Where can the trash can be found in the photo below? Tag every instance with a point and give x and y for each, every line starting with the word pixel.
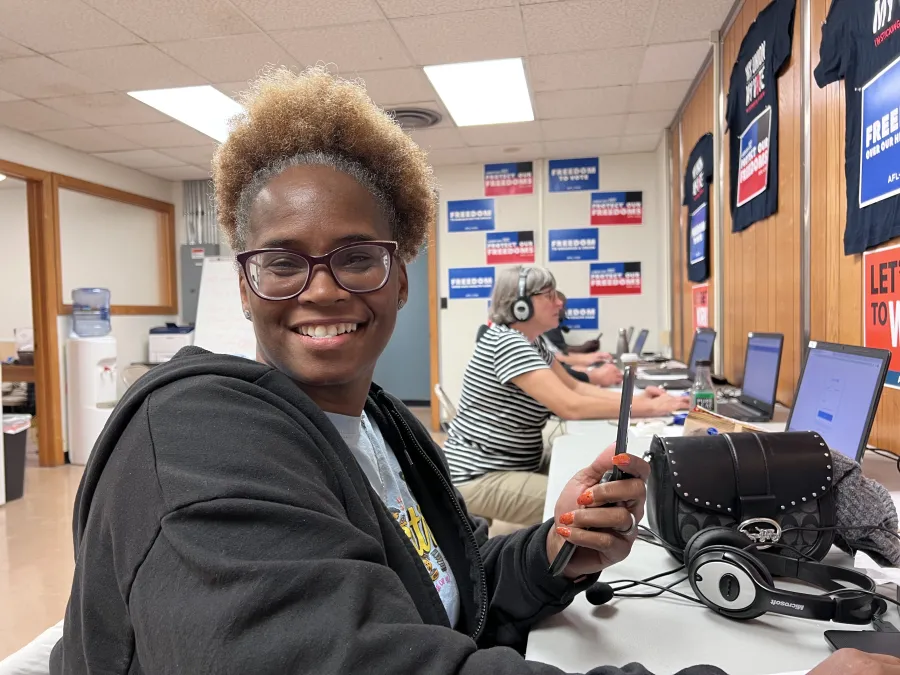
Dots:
pixel 15 435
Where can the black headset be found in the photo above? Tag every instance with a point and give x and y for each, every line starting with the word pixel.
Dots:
pixel 522 309
pixel 739 584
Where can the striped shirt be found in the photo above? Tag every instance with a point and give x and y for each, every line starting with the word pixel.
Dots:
pixel 498 427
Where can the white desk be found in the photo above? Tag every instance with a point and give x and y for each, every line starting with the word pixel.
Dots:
pixel 667 633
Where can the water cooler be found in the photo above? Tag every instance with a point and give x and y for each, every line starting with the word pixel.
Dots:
pixel 90 391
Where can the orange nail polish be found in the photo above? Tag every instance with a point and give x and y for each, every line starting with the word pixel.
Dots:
pixel 567 518
pixel 621 460
pixel 563 532
pixel 586 498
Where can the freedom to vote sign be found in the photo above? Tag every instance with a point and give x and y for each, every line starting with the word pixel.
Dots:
pixel 571 245
pixel 879 173
pixel 574 174
pixel 881 305
pixel 582 314
pixel 617 208
pixel 471 282
pixel 470 215
pixel 622 278
pixel 508 179
pixel 753 169
pixel 510 247
pixel 698 234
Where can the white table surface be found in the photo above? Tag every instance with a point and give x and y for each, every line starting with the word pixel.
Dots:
pixel 667 633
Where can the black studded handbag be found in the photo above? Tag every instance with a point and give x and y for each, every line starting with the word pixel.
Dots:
pixel 765 485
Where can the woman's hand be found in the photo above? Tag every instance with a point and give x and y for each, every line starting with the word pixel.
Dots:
pixel 605 376
pixel 655 402
pixel 852 662
pixel 578 508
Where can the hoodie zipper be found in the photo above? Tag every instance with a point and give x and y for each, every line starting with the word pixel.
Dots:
pixel 482 583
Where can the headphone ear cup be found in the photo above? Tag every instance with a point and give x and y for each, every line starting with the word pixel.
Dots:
pixel 714 536
pixel 521 309
pixel 709 569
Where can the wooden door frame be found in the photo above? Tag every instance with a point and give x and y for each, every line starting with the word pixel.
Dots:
pixel 43 246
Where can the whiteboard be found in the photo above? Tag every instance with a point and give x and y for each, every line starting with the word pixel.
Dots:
pixel 221 326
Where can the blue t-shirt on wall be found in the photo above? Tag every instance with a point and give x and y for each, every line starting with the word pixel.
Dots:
pixel 697 178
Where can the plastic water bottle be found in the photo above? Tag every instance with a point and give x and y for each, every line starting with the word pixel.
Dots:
pixel 90 312
pixel 703 395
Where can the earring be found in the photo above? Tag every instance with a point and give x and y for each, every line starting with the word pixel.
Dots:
pixel 247 314
pixel 400 304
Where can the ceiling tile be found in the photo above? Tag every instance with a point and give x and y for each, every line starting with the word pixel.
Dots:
pixel 139 159
pixel 402 8
pixel 286 14
pixel 585 24
pixel 360 47
pixel 91 139
pixel 233 89
pixel 196 154
pixel 180 173
pixel 6 96
pixel 104 110
pixel 164 20
pixel 131 68
pixel 688 19
pixel 583 70
pixel 10 49
pixel 402 85
pixel 40 77
pixel 60 25
pixel 659 96
pixel 584 148
pixel 223 59
pixel 672 62
pixel 502 134
pixel 583 127
pixel 447 156
pixel 639 124
pixel 646 143
pixel 31 116
pixel 165 135
pixel 433 139
pixel 506 153
pixel 463 36
pixel 582 102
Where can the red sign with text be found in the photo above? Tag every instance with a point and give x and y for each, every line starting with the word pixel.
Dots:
pixel 701 306
pixel 881 306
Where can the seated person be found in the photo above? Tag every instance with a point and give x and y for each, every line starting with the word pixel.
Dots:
pixel 557 336
pixel 510 388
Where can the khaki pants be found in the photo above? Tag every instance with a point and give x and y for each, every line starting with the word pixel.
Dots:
pixel 510 496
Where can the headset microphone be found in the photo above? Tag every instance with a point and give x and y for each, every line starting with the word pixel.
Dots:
pixel 599 594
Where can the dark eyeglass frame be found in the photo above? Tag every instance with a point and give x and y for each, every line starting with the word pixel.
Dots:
pixel 315 260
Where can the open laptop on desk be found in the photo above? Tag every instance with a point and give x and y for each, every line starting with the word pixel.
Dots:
pixel 838 394
pixel 761 366
pixel 682 378
pixel 640 342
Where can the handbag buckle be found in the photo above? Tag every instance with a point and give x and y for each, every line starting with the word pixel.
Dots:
pixel 761 531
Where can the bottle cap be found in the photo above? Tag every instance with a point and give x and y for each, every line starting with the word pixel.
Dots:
pixel 703 362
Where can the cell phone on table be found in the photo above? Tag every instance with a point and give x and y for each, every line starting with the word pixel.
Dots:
pixel 868 641
pixel 561 561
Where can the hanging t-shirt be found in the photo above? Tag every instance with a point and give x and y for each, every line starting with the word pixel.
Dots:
pixel 861 45
pixel 697 178
pixel 752 115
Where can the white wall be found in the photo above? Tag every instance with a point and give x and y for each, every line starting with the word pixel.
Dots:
pixel 15 269
pixel 542 212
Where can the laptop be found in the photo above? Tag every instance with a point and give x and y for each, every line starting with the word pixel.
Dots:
pixel 683 378
pixel 640 342
pixel 838 394
pixel 761 367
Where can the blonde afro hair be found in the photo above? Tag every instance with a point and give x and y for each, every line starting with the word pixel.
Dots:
pixel 320 119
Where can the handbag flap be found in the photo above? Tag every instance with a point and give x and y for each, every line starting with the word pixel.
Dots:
pixel 749 475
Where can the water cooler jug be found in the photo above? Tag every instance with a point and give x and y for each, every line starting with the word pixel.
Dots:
pixel 90 391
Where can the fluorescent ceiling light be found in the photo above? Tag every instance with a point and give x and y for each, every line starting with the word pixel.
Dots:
pixel 483 92
pixel 2 176
pixel 203 108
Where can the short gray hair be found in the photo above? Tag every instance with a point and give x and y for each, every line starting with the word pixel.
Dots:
pixel 506 290
pixel 345 165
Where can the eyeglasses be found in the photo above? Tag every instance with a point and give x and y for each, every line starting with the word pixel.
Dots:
pixel 551 293
pixel 282 274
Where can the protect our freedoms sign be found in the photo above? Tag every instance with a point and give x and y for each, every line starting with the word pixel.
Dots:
pixel 622 278
pixel 582 314
pixel 568 175
pixel 879 173
pixel 617 208
pixel 509 247
pixel 753 170
pixel 508 179
pixel 700 294
pixel 572 245
pixel 470 215
pixel 471 282
pixel 881 306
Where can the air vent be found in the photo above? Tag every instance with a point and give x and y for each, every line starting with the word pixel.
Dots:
pixel 415 118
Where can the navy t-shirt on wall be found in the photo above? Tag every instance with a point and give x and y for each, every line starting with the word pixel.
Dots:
pixel 861 45
pixel 752 114
pixel 697 178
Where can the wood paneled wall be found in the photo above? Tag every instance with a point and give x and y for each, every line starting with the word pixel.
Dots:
pixel 696 120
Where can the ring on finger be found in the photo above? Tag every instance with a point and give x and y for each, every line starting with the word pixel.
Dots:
pixel 631 530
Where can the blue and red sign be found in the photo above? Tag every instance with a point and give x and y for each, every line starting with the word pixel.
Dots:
pixel 753 170
pixel 568 175
pixel 879 172
pixel 471 282
pixel 582 314
pixel 617 208
pixel 698 234
pixel 470 215
pixel 622 278
pixel 516 178
pixel 881 306
pixel 572 245
pixel 510 247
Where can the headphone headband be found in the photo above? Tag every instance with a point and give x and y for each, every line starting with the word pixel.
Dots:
pixel 522 309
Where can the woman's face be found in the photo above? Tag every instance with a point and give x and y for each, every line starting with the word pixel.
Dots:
pixel 547 306
pixel 314 210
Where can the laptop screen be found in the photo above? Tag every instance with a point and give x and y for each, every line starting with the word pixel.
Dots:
pixel 761 369
pixel 703 348
pixel 836 391
pixel 640 342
